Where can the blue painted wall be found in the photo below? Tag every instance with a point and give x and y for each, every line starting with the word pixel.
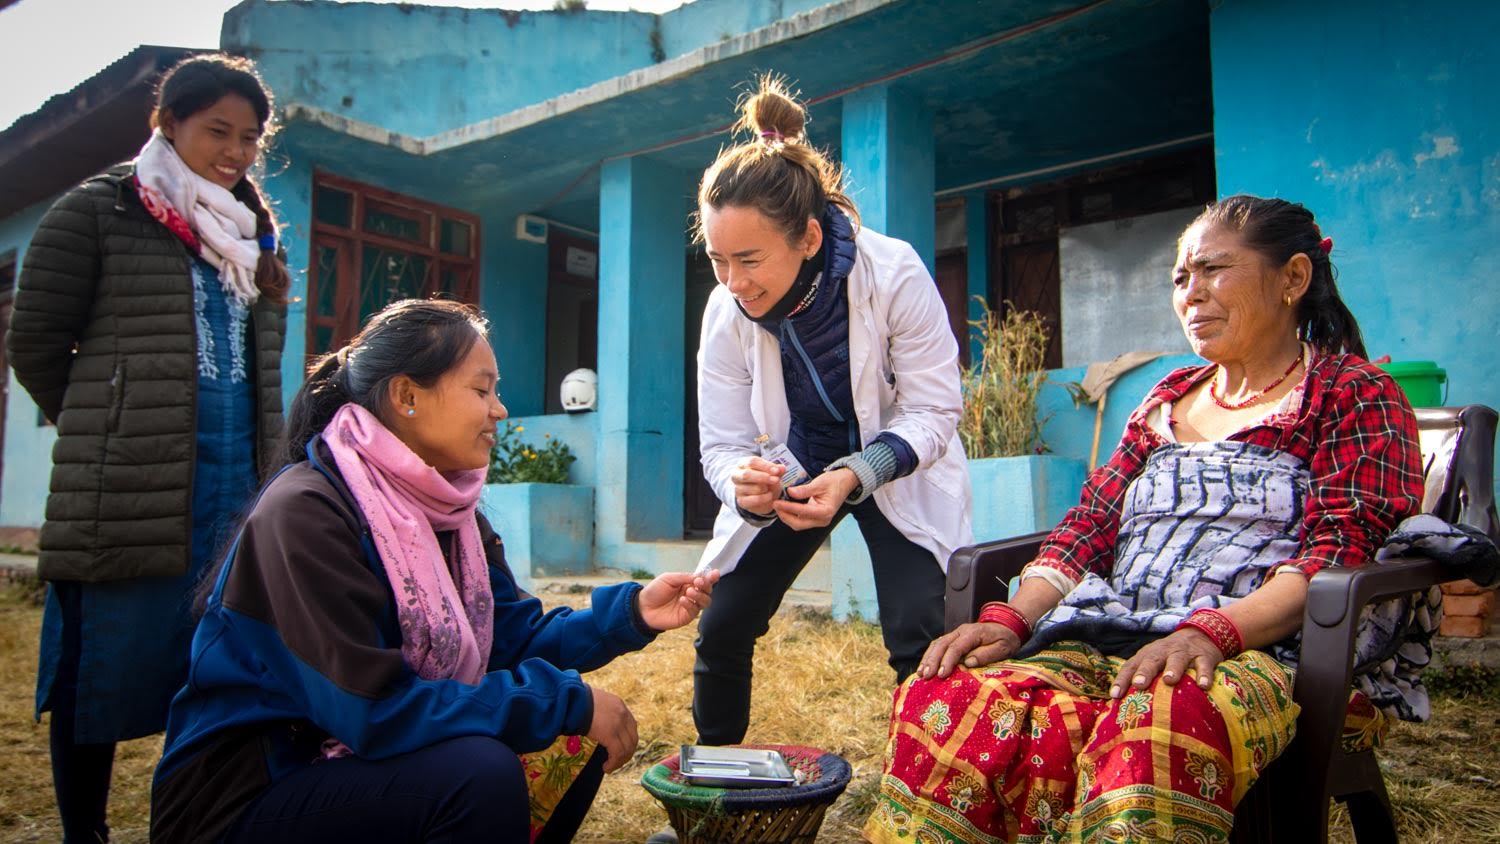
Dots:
pixel 28 446
pixel 1384 124
pixel 702 22
pixel 513 293
pixel 421 70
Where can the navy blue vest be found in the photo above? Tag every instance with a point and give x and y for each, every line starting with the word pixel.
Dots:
pixel 815 358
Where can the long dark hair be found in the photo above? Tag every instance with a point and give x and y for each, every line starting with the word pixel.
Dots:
pixel 778 172
pixel 196 83
pixel 1277 230
pixel 420 338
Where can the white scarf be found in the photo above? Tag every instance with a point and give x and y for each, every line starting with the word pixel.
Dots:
pixel 225 226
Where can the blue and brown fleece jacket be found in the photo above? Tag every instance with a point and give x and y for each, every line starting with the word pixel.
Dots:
pixel 299 643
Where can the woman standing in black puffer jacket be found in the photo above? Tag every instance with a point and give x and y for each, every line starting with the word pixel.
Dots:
pixel 149 323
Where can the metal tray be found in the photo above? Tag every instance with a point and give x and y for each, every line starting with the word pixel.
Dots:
pixel 735 767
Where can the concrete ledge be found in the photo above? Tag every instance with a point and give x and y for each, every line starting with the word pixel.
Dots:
pixel 1452 651
pixel 13 566
pixel 21 538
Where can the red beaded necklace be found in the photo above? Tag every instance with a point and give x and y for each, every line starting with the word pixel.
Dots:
pixel 1254 397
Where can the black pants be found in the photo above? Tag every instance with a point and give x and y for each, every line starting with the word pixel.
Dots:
pixel 908 585
pixel 460 790
pixel 80 772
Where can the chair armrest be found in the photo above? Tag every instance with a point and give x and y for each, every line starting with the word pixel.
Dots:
pixel 979 574
pixel 1337 593
pixel 1335 599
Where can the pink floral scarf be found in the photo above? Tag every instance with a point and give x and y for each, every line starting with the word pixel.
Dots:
pixel 406 502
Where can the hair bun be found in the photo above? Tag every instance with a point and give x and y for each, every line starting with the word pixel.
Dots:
pixel 772 112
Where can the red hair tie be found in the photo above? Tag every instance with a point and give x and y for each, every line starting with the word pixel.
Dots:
pixel 1326 245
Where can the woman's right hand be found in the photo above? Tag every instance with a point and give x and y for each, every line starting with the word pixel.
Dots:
pixel 975 644
pixel 757 484
pixel 614 729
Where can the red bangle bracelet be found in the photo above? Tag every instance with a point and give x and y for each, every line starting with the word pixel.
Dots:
pixel 1008 617
pixel 1219 630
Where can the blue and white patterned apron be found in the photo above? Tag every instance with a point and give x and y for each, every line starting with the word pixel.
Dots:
pixel 1202 526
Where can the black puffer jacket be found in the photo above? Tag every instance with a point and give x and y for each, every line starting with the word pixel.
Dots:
pixel 104 338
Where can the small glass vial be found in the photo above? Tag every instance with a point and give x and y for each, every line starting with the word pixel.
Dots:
pixel 783 457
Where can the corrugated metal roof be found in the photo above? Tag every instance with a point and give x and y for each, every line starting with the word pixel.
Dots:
pixel 77 133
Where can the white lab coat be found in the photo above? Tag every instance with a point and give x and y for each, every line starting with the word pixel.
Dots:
pixel 904 373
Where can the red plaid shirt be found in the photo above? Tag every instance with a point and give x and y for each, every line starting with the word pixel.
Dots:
pixel 1353 428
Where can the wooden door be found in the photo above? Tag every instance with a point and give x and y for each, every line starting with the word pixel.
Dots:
pixel 1033 282
pixel 952 279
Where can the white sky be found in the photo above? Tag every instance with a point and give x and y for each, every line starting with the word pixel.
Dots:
pixel 48 46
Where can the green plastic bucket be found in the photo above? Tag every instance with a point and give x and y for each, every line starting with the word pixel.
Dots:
pixel 1419 379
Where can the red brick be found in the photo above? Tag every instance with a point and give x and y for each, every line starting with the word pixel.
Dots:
pixel 1463 587
pixel 1462 605
pixel 1463 627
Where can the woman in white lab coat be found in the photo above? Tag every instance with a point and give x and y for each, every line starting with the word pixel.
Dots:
pixel 828 342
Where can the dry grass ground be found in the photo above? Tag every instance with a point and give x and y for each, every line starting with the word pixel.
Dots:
pixel 819 683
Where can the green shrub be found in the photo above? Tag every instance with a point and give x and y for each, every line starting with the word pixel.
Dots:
pixel 514 461
pixel 1461 681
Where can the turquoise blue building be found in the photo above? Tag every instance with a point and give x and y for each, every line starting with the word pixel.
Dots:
pixel 1044 153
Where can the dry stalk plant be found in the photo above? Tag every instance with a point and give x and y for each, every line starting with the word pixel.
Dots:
pixel 1001 389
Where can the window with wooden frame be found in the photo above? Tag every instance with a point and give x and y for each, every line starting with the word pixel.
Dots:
pixel 372 247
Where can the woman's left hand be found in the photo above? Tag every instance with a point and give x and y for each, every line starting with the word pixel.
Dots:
pixel 1170 657
pixel 818 500
pixel 675 598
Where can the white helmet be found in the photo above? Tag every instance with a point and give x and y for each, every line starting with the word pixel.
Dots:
pixel 580 390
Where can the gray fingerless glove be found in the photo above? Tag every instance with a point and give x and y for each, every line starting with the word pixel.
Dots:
pixel 875 466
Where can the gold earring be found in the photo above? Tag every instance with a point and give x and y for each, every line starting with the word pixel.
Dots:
pixel 1286 299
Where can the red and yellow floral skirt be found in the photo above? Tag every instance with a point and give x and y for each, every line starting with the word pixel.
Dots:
pixel 1034 750
pixel 551 772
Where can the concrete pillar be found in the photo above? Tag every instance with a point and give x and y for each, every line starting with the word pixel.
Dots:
pixel 642 239
pixel 977 242
pixel 888 153
pixel 513 293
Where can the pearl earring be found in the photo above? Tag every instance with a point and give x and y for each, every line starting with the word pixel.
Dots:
pixel 411 411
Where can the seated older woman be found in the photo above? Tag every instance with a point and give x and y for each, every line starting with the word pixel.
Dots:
pixel 1140 677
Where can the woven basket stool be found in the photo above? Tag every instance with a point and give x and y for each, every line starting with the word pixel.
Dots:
pixel 791 815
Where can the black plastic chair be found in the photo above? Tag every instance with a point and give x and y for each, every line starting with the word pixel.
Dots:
pixel 1290 801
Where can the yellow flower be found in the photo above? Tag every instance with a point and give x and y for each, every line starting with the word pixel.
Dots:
pixel 531 455
pixel 520 429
